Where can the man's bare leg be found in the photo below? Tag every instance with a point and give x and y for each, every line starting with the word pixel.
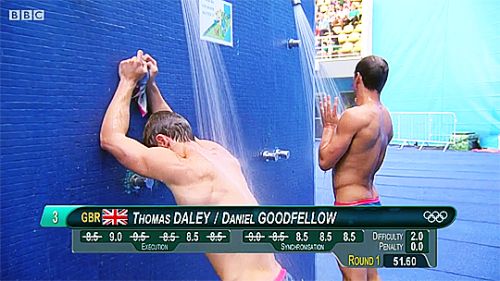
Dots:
pixel 359 274
pixel 373 274
pixel 353 274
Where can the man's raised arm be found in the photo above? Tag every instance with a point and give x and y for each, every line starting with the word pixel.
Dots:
pixel 337 133
pixel 148 162
pixel 155 99
pixel 117 118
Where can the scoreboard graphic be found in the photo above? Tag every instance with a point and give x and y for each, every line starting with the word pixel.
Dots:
pixel 387 236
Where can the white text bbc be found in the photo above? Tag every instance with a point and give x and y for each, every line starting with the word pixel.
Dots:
pixel 26 14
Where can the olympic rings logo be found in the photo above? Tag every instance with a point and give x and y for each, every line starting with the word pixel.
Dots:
pixel 435 216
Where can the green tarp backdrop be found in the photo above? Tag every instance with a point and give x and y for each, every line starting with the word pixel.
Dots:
pixel 444 56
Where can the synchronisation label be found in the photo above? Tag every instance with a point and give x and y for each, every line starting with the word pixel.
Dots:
pixel 303 241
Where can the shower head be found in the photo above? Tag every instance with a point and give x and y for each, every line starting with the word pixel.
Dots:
pixel 295 2
pixel 293 43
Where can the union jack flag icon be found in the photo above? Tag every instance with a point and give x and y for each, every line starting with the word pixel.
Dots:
pixel 114 216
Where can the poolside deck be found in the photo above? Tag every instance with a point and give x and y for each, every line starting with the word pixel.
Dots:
pixel 470 181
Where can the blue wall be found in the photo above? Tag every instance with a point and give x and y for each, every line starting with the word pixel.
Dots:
pixel 59 75
pixel 443 56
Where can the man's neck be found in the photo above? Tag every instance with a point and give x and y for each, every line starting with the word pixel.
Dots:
pixel 366 96
pixel 179 148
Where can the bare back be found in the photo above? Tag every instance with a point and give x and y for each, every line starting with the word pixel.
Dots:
pixel 214 177
pixel 355 171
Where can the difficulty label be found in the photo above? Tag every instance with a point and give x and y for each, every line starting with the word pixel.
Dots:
pixel 389 241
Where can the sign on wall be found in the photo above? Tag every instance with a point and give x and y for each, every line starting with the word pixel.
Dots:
pixel 216 21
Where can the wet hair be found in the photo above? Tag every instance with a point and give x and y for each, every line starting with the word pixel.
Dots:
pixel 374 71
pixel 169 124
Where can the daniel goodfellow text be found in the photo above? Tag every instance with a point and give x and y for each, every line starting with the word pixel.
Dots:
pixel 230 218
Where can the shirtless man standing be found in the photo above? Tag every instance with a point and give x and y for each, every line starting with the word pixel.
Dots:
pixel 198 172
pixel 355 144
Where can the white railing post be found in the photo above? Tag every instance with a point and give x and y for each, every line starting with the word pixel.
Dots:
pixel 399 126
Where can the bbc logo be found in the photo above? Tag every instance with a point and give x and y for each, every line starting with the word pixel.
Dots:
pixel 26 14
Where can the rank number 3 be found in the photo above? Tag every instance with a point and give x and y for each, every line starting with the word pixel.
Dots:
pixel 56 218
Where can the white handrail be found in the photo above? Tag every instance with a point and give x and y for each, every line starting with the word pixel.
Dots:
pixel 423 128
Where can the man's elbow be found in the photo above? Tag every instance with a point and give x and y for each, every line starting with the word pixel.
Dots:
pixel 106 141
pixel 324 165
